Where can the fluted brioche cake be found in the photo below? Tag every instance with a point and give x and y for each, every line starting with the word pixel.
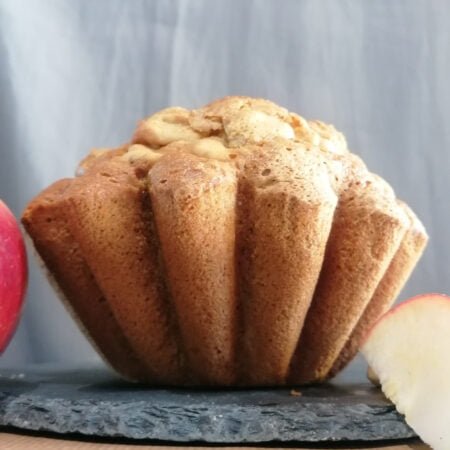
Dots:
pixel 235 244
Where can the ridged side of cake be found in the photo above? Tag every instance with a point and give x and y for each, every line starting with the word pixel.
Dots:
pixel 395 277
pixel 194 202
pixel 236 244
pixel 45 220
pixel 110 218
pixel 285 212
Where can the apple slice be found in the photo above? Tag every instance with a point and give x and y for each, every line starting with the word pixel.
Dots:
pixel 13 274
pixel 409 351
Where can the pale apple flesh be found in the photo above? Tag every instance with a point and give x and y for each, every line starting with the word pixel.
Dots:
pixel 409 351
pixel 13 274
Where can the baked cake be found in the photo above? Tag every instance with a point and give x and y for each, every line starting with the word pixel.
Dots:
pixel 235 244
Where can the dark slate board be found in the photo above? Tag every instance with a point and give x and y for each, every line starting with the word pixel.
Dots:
pixel 95 403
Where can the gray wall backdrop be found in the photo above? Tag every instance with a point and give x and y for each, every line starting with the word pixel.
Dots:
pixel 79 74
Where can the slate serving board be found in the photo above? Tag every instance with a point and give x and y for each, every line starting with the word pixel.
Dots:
pixel 94 402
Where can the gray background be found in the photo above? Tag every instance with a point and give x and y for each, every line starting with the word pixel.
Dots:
pixel 79 74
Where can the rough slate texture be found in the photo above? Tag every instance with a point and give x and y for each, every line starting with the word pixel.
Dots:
pixel 94 402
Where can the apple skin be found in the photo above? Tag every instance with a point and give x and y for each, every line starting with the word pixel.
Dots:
pixel 408 351
pixel 398 307
pixel 13 274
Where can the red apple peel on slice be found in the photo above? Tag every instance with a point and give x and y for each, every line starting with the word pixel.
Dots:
pixel 13 274
pixel 409 351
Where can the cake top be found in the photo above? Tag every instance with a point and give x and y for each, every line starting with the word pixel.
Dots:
pixel 231 124
pixel 238 129
pixel 222 130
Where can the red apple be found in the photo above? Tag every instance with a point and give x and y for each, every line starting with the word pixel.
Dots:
pixel 13 274
pixel 408 349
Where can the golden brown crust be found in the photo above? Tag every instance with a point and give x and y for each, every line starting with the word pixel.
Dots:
pixel 164 127
pixel 367 229
pixel 194 204
pixel 286 207
pixel 109 215
pixel 236 122
pixel 45 221
pixel 97 157
pixel 217 247
pixel 319 134
pixel 396 275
